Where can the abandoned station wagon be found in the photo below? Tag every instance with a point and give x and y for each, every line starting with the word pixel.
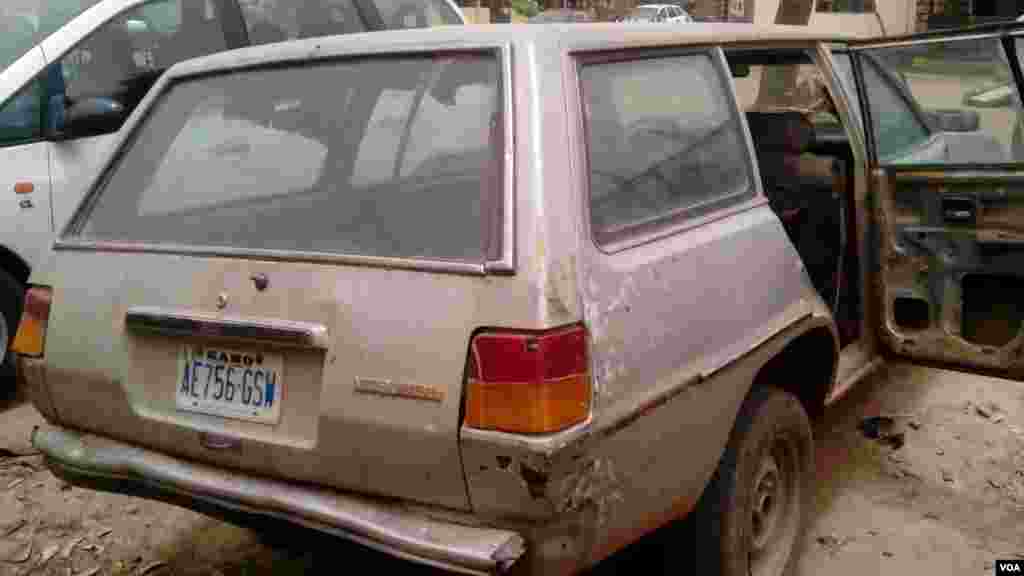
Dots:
pixel 510 298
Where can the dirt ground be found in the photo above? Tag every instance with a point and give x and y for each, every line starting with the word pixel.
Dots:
pixel 950 500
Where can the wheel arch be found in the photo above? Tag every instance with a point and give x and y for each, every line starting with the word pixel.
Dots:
pixel 12 263
pixel 814 355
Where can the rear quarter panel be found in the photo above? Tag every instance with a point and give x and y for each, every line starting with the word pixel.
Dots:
pixel 678 327
pixel 674 321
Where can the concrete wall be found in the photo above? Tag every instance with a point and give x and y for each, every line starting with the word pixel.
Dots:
pixel 865 25
pixel 897 17
pixel 476 15
pixel 482 15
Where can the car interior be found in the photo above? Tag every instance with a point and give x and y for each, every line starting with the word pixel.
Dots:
pixel 804 159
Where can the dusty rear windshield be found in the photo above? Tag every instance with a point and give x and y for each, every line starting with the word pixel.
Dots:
pixel 383 156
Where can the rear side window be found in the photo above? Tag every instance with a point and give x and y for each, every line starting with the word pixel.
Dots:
pixel 386 156
pixel 660 154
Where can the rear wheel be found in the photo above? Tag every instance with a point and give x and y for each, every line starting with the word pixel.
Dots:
pixel 12 298
pixel 753 517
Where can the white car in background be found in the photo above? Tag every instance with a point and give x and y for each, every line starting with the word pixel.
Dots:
pixel 658 13
pixel 66 65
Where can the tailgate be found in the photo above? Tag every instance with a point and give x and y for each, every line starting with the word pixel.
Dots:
pixel 339 376
pixel 282 268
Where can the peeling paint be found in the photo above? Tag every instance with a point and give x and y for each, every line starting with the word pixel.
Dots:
pixel 593 483
pixel 596 321
pixel 560 290
pixel 592 287
pixel 536 480
pixel 624 297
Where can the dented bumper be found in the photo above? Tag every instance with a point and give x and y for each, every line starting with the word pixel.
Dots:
pixel 97 462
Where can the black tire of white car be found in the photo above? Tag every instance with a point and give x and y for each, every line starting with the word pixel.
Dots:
pixel 12 298
pixel 753 517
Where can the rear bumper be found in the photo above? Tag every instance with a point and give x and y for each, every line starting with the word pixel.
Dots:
pixel 100 463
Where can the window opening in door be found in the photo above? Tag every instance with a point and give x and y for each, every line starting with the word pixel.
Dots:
pixel 951 102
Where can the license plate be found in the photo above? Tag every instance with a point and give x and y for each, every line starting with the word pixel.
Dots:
pixel 230 383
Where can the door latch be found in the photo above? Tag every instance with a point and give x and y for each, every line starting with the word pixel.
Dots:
pixel 959 210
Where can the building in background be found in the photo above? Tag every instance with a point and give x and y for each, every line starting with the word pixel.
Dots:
pixel 932 14
pixel 870 17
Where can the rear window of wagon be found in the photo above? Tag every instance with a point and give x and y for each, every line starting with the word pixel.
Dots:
pixel 390 156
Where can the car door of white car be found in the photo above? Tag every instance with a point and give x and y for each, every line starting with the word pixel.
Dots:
pixel 24 161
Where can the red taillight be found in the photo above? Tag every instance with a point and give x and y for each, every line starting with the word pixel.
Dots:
pixel 529 383
pixel 31 337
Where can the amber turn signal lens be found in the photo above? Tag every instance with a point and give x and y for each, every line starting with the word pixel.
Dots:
pixel 528 407
pixel 528 383
pixel 31 336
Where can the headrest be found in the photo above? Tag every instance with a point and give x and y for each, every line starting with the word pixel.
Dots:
pixel 782 132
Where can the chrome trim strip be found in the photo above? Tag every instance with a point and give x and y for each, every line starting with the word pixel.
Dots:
pixel 857 45
pixel 507 263
pixel 680 223
pixel 547 444
pixel 940 175
pixel 467 268
pixel 390 528
pixel 193 323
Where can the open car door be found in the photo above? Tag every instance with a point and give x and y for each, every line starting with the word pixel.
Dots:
pixel 942 117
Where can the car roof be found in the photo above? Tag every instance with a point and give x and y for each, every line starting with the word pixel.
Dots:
pixel 557 36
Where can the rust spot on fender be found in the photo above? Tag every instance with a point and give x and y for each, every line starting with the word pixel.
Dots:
pixel 620 539
pixel 536 480
pixel 560 290
pixel 593 483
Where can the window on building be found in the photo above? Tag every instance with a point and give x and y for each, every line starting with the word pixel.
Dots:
pixel 855 6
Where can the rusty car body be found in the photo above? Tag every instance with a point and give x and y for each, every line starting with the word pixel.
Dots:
pixel 423 410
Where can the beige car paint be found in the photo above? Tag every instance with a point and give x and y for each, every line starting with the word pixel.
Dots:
pixel 672 358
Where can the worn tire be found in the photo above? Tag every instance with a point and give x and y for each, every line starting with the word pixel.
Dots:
pixel 771 440
pixel 12 298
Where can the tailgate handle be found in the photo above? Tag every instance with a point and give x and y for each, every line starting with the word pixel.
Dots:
pixel 958 209
pixel 192 323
